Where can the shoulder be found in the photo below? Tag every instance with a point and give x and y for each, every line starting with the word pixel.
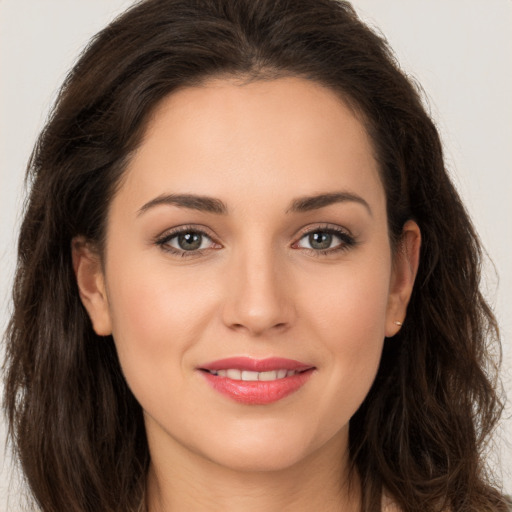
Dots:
pixel 388 504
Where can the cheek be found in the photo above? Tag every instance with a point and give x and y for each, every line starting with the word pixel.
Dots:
pixel 350 304
pixel 149 299
pixel 349 316
pixel 156 318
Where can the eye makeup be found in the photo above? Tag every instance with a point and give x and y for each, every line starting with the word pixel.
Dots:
pixel 193 241
pixel 325 240
pixel 186 241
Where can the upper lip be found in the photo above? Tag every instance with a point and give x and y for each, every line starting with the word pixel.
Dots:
pixel 257 365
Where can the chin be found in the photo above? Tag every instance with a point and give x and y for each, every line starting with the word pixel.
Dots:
pixel 246 461
pixel 272 452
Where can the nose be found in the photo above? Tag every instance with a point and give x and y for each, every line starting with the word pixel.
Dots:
pixel 258 295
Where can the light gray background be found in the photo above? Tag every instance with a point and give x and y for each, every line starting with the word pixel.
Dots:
pixel 459 50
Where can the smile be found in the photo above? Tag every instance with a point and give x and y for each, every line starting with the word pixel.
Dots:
pixel 256 382
pixel 249 376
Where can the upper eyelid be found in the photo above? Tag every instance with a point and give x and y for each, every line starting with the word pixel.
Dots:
pixel 185 228
pixel 335 228
pixel 204 230
pixel 346 238
pixel 163 240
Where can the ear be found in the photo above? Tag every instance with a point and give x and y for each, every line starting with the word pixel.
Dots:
pixel 405 268
pixel 91 284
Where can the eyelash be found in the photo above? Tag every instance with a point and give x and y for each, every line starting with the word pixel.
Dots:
pixel 347 241
pixel 164 240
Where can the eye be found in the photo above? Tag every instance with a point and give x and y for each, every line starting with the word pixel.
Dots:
pixel 190 241
pixel 325 240
pixel 186 242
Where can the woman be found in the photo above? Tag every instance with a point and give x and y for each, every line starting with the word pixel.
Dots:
pixel 245 281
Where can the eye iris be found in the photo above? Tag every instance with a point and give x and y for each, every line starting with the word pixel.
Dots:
pixel 190 241
pixel 320 240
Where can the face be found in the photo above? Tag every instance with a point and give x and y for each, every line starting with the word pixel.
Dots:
pixel 249 238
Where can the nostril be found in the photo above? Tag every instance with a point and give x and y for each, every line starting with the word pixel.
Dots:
pixel 278 326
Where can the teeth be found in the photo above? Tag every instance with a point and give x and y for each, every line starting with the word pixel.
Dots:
pixel 268 375
pixel 234 374
pixel 246 375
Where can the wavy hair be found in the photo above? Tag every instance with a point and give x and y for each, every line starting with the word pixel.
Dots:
pixel 76 428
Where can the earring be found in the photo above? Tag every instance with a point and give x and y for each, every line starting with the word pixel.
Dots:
pixel 396 322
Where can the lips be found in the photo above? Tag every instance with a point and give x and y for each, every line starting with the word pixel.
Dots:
pixel 256 381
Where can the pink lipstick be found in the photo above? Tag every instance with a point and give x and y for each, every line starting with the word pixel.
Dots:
pixel 256 381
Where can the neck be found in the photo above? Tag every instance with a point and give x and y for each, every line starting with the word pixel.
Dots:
pixel 187 481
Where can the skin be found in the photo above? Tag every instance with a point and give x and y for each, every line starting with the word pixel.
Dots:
pixel 256 288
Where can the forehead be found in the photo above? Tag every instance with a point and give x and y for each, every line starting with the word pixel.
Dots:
pixel 290 135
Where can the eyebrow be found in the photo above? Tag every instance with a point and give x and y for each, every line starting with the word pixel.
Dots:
pixel 308 203
pixel 213 205
pixel 191 201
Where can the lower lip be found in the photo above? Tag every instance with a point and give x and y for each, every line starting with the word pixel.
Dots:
pixel 258 392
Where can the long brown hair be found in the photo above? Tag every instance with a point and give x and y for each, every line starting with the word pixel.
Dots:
pixel 76 428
